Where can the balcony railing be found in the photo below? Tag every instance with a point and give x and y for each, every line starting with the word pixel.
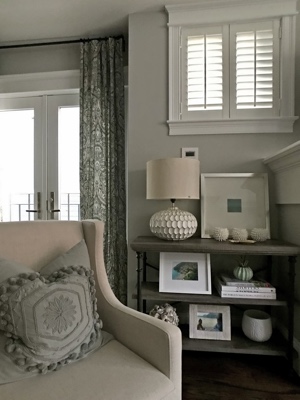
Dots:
pixel 15 209
pixel 70 207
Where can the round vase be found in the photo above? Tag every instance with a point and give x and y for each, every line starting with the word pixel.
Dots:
pixel 257 325
pixel 240 235
pixel 243 273
pixel 259 234
pixel 220 234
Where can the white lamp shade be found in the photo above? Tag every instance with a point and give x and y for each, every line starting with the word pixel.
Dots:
pixel 173 178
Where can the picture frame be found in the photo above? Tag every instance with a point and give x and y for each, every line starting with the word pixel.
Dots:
pixel 209 322
pixel 234 200
pixel 185 273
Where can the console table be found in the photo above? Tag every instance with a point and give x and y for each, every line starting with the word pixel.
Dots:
pixel 239 343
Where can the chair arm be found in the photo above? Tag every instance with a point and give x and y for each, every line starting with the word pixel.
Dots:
pixel 156 341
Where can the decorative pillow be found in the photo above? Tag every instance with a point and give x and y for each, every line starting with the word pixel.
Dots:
pixel 10 268
pixel 49 322
pixel 77 255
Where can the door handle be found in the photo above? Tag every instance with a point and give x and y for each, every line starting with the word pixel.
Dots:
pixel 52 204
pixel 38 210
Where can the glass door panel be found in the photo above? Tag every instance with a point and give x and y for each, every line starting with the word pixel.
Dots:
pixel 68 162
pixel 19 183
pixel 39 158
pixel 63 169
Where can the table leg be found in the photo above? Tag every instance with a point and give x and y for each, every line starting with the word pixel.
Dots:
pixel 144 279
pixel 291 305
pixel 139 282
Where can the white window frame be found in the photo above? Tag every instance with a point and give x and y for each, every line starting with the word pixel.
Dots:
pixel 225 12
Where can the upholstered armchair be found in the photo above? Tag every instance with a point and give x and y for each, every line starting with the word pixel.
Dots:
pixel 138 357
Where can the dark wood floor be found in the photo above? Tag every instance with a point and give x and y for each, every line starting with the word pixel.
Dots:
pixel 218 376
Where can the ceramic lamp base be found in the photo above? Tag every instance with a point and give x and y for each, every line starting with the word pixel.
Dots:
pixel 173 224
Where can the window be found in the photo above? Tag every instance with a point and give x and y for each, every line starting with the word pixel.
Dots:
pixel 249 74
pixel 231 67
pixel 254 69
pixel 202 73
pixel 255 72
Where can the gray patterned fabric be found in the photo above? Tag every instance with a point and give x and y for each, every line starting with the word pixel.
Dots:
pixel 102 152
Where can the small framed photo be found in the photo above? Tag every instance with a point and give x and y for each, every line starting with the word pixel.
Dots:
pixel 234 201
pixel 209 322
pixel 185 273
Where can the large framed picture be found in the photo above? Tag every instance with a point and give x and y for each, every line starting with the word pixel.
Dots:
pixel 234 201
pixel 209 322
pixel 185 273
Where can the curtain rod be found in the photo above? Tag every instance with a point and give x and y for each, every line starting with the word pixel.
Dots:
pixel 15 46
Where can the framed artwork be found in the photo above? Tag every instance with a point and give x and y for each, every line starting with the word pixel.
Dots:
pixel 209 322
pixel 234 201
pixel 185 273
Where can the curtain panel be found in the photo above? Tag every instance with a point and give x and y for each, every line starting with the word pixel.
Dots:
pixel 102 151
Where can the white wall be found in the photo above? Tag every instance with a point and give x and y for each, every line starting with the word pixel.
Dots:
pixel 148 132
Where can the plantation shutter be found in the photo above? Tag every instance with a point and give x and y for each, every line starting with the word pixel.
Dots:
pixel 255 75
pixel 202 73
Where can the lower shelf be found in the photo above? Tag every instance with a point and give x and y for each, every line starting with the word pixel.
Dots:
pixel 239 343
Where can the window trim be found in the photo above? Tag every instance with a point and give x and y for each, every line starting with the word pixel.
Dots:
pixel 232 126
pixel 233 11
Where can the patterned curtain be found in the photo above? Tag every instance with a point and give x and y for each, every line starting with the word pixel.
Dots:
pixel 102 151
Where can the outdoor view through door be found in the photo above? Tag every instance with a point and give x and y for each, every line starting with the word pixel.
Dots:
pixel 39 158
pixel 68 163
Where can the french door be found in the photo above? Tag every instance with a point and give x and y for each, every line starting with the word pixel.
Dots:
pixel 39 158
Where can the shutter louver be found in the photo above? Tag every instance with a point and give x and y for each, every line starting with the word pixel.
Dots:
pixel 204 72
pixel 254 69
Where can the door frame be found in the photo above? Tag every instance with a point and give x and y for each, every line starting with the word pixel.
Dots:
pixel 20 87
pixel 45 141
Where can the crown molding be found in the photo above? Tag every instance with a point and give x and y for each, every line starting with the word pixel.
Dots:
pixel 287 158
pixel 286 166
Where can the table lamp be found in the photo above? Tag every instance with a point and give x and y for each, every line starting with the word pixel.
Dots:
pixel 173 179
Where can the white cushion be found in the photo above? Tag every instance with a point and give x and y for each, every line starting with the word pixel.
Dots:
pixel 112 372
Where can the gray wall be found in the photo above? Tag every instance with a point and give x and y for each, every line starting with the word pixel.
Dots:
pixel 40 59
pixel 148 132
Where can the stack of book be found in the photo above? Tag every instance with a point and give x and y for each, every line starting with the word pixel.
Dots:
pixel 235 288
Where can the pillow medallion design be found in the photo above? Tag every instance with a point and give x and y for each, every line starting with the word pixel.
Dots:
pixel 51 321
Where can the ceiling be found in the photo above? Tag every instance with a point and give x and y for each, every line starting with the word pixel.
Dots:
pixel 41 20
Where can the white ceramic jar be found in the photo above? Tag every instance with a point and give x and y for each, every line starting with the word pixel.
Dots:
pixel 257 325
